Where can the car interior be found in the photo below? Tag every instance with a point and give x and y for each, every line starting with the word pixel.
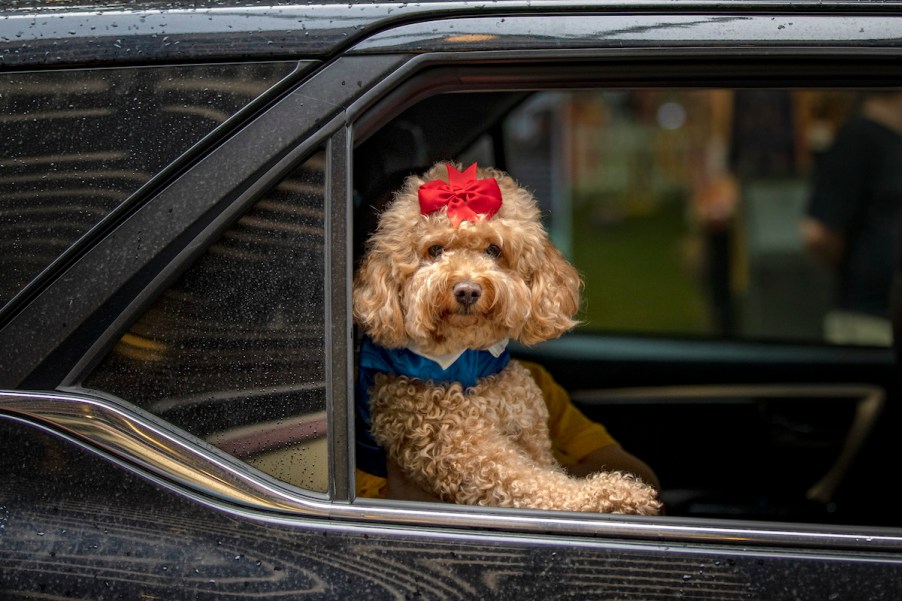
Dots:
pixel 701 346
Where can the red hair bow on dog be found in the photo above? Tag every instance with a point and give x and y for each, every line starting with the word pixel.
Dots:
pixel 465 196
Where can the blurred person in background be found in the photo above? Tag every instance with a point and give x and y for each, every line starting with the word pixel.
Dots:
pixel 852 218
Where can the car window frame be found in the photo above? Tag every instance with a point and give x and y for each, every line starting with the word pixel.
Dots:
pixel 440 67
pixel 442 72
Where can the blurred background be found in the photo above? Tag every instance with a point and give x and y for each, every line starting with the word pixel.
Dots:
pixel 682 208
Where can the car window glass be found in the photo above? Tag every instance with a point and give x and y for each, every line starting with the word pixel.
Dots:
pixel 690 211
pixel 234 351
pixel 77 143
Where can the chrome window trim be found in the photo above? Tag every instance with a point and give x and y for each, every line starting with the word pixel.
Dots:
pixel 150 444
pixel 149 447
pixel 723 29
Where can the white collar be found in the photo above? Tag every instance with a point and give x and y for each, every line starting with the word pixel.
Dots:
pixel 448 359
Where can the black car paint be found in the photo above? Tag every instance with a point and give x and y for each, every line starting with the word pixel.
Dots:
pixel 116 535
pixel 93 525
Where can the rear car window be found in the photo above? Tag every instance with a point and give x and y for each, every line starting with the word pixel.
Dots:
pixel 77 143
pixel 234 351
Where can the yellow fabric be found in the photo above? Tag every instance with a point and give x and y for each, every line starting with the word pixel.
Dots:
pixel 370 486
pixel 573 435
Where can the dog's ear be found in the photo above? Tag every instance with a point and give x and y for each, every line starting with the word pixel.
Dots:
pixel 377 301
pixel 555 289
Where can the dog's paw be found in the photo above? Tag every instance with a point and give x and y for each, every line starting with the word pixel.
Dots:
pixel 616 492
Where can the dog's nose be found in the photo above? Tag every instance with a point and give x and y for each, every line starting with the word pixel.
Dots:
pixel 467 293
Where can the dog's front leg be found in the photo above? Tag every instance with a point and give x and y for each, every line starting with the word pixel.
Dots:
pixel 451 445
pixel 521 410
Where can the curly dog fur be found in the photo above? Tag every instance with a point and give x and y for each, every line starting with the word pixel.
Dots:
pixel 487 445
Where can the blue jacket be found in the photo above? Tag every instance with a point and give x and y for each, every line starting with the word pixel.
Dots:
pixel 467 369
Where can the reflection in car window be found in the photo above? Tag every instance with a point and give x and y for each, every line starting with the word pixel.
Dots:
pixel 234 351
pixel 685 209
pixel 77 143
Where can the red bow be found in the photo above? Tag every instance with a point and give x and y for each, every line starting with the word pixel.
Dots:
pixel 465 196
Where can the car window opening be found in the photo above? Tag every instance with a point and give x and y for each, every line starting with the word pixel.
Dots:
pixel 690 214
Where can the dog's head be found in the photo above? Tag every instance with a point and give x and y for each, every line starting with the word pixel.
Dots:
pixel 445 276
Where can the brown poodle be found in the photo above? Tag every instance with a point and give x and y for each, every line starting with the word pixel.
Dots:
pixel 458 265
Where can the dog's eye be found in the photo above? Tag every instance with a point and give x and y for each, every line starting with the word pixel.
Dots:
pixel 493 250
pixel 435 251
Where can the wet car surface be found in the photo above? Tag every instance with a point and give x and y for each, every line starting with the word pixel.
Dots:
pixel 185 191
